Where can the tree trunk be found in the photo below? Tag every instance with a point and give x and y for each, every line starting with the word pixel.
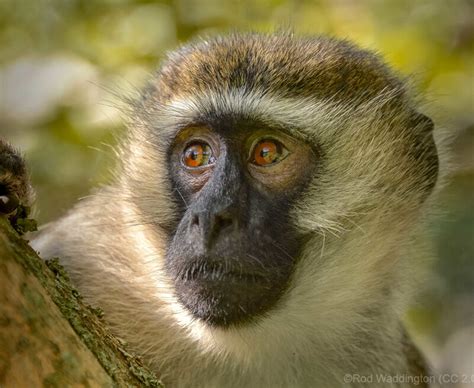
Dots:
pixel 48 336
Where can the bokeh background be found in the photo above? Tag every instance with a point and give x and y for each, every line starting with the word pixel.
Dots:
pixel 65 63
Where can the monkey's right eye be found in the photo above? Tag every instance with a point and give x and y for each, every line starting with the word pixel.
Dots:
pixel 198 154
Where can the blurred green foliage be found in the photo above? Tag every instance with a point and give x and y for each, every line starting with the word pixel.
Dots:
pixel 65 63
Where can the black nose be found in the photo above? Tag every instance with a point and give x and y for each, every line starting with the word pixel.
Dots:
pixel 214 223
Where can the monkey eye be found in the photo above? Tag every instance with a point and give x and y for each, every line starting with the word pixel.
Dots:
pixel 267 152
pixel 198 154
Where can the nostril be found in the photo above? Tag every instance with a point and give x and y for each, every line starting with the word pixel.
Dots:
pixel 195 220
pixel 222 222
pixel 211 225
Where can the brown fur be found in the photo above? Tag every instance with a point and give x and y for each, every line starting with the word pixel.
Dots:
pixel 284 64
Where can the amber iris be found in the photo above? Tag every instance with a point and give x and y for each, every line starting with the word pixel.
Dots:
pixel 266 152
pixel 197 155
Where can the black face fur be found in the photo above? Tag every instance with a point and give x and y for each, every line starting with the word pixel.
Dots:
pixel 234 249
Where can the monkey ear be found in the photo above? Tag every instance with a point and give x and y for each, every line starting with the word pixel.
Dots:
pixel 423 122
pixel 425 150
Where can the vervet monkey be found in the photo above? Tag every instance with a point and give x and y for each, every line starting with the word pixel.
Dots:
pixel 256 232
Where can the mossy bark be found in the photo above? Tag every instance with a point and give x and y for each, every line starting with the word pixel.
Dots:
pixel 48 336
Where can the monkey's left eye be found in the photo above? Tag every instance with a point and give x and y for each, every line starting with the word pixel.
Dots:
pixel 198 154
pixel 267 152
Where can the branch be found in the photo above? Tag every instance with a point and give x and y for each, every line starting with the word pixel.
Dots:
pixel 48 335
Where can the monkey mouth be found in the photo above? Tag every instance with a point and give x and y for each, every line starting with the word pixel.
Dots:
pixel 203 272
pixel 224 295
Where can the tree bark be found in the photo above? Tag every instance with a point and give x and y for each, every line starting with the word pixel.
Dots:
pixel 48 336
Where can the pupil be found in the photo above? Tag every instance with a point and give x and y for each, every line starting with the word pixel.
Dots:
pixel 194 155
pixel 264 152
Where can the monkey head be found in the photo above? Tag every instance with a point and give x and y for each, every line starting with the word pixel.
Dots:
pixel 265 163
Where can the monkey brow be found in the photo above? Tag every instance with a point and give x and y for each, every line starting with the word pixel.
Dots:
pixel 299 114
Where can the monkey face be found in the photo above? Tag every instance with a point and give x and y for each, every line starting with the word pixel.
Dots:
pixel 268 169
pixel 233 252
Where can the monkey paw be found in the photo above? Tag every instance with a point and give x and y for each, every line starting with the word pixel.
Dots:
pixel 16 193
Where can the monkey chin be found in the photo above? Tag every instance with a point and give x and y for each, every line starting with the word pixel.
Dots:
pixel 228 296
